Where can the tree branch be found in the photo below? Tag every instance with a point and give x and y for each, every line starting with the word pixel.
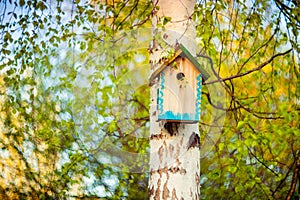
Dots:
pixel 250 71
pixel 295 178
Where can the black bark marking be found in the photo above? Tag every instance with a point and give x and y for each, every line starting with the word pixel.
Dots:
pixel 172 128
pixel 151 191
pixel 166 170
pixel 165 36
pixel 197 178
pixel 159 136
pixel 194 141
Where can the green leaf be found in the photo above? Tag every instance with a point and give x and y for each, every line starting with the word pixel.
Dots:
pixel 241 124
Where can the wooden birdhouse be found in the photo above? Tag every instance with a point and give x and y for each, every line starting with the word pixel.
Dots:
pixel 178 82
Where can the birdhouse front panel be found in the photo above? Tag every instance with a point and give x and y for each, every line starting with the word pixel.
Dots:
pixel 179 92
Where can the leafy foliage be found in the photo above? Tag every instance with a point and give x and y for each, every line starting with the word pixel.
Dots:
pixel 50 125
pixel 254 54
pixel 67 108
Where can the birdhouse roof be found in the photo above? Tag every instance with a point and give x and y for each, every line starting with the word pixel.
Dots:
pixel 183 52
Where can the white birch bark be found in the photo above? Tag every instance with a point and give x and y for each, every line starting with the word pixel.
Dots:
pixel 174 169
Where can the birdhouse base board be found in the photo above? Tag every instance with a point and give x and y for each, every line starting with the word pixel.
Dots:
pixel 179 121
pixel 179 117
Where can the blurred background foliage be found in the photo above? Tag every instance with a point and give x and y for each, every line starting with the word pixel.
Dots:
pixel 74 99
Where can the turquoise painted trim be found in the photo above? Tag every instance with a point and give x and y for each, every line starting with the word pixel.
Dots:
pixel 162 84
pixel 198 100
pixel 169 115
pixel 160 93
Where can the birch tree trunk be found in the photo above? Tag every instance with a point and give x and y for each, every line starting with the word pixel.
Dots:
pixel 174 165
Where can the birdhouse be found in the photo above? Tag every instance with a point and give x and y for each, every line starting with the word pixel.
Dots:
pixel 178 81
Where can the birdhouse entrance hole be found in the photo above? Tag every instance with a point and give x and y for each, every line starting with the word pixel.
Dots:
pixel 180 76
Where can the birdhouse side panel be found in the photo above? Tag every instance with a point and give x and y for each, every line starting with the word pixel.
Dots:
pixel 177 99
pixel 190 72
pixel 191 81
pixel 168 95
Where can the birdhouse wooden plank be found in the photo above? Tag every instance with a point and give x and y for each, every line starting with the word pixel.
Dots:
pixel 179 87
